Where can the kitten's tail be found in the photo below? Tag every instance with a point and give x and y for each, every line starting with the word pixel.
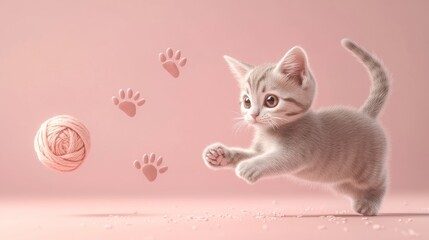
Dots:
pixel 380 80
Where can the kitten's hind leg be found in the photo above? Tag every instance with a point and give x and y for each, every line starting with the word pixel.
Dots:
pixel 366 201
pixel 371 199
pixel 218 155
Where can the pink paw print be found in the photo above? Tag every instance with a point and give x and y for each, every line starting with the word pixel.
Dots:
pixel 129 102
pixel 150 171
pixel 170 62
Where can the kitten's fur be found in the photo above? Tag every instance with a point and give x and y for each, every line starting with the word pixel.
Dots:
pixel 341 147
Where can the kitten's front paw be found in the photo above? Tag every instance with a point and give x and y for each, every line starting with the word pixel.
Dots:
pixel 248 171
pixel 216 155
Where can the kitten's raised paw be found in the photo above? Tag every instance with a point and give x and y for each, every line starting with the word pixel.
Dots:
pixel 248 171
pixel 216 155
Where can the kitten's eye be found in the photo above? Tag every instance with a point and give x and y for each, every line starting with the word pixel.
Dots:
pixel 271 101
pixel 246 102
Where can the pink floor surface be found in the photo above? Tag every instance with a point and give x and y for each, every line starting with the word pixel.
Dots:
pixel 402 217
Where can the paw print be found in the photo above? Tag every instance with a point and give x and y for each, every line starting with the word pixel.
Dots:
pixel 129 102
pixel 248 171
pixel 215 156
pixel 150 171
pixel 170 62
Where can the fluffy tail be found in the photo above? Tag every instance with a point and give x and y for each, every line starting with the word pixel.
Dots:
pixel 380 81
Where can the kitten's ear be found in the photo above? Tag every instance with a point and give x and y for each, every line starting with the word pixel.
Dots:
pixel 238 69
pixel 294 65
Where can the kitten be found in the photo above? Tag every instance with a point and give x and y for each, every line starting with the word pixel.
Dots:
pixel 341 147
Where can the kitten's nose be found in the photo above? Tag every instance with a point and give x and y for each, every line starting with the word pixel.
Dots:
pixel 254 115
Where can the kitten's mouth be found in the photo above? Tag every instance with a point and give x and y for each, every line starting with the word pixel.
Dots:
pixel 256 122
pixel 261 123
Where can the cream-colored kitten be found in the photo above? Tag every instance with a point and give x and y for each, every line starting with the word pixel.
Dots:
pixel 341 147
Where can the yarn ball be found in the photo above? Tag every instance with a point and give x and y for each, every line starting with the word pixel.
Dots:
pixel 62 143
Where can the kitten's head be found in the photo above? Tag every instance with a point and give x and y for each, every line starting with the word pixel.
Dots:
pixel 275 94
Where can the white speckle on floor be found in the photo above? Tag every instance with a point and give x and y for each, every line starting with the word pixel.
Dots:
pixel 411 232
pixel 376 227
pixel 108 226
pixel 321 227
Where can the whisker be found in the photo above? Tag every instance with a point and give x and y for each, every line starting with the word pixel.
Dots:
pixel 238 126
pixel 273 126
pixel 275 123
pixel 277 118
pixel 280 119
pixel 276 126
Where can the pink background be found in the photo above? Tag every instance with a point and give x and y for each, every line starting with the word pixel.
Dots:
pixel 71 57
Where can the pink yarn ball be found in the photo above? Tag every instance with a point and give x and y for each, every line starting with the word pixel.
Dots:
pixel 62 143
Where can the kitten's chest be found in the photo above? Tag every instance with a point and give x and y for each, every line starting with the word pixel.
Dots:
pixel 264 143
